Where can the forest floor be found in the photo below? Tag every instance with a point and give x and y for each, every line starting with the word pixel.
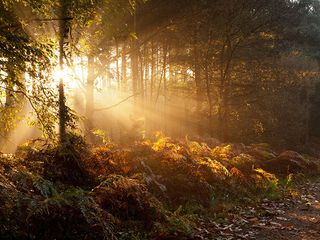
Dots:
pixel 290 218
pixel 158 189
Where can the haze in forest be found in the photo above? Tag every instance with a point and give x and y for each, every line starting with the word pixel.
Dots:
pixel 159 119
pixel 214 70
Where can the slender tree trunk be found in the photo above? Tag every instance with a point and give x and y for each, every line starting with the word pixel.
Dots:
pixel 224 92
pixel 209 97
pixel 117 65
pixel 22 88
pixel 62 100
pixel 146 70
pixel 147 87
pixel 9 95
pixel 141 85
pixel 197 77
pixel 222 109
pixel 134 55
pixel 307 112
pixel 9 86
pixel 152 74
pixel 124 69
pixel 12 96
pixel 90 99
pixel 162 80
pixel 165 93
pixel 134 71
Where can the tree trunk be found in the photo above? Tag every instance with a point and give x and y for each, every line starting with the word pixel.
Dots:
pixel 152 74
pixel 141 85
pixel 224 90
pixel 9 86
pixel 165 93
pixel 134 55
pixel 134 72
pixel 62 101
pixel 222 116
pixel 208 90
pixel 197 78
pixel 90 99
pixel 307 112
pixel 124 69
pixel 146 70
pixel 117 65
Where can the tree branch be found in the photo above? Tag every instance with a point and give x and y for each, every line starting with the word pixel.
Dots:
pixel 117 104
pixel 8 26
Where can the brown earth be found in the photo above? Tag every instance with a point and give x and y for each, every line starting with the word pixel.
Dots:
pixel 291 218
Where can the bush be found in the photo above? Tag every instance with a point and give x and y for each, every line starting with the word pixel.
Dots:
pixel 176 226
pixel 33 207
pixel 128 199
pixel 71 214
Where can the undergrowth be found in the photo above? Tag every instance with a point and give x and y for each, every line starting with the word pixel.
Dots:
pixel 154 189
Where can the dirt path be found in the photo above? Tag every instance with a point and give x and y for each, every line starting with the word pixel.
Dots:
pixel 291 219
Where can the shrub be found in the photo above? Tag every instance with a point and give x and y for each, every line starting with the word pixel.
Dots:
pixel 127 198
pixel 70 214
pixel 176 226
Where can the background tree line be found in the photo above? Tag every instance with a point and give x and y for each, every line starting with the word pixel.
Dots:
pixel 237 70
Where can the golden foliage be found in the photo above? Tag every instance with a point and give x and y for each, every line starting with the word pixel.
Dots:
pixel 140 182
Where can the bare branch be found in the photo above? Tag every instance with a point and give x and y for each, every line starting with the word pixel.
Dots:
pixel 117 104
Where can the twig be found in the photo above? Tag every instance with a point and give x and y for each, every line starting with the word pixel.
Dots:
pixel 30 101
pixel 35 20
pixel 117 104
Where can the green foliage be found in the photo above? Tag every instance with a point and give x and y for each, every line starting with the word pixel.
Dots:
pixel 102 135
pixel 268 184
pixel 244 162
pixel 34 207
pixel 177 225
pixel 65 207
pixel 59 162
pixel 142 182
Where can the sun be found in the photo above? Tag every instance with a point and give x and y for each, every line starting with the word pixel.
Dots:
pixel 71 77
